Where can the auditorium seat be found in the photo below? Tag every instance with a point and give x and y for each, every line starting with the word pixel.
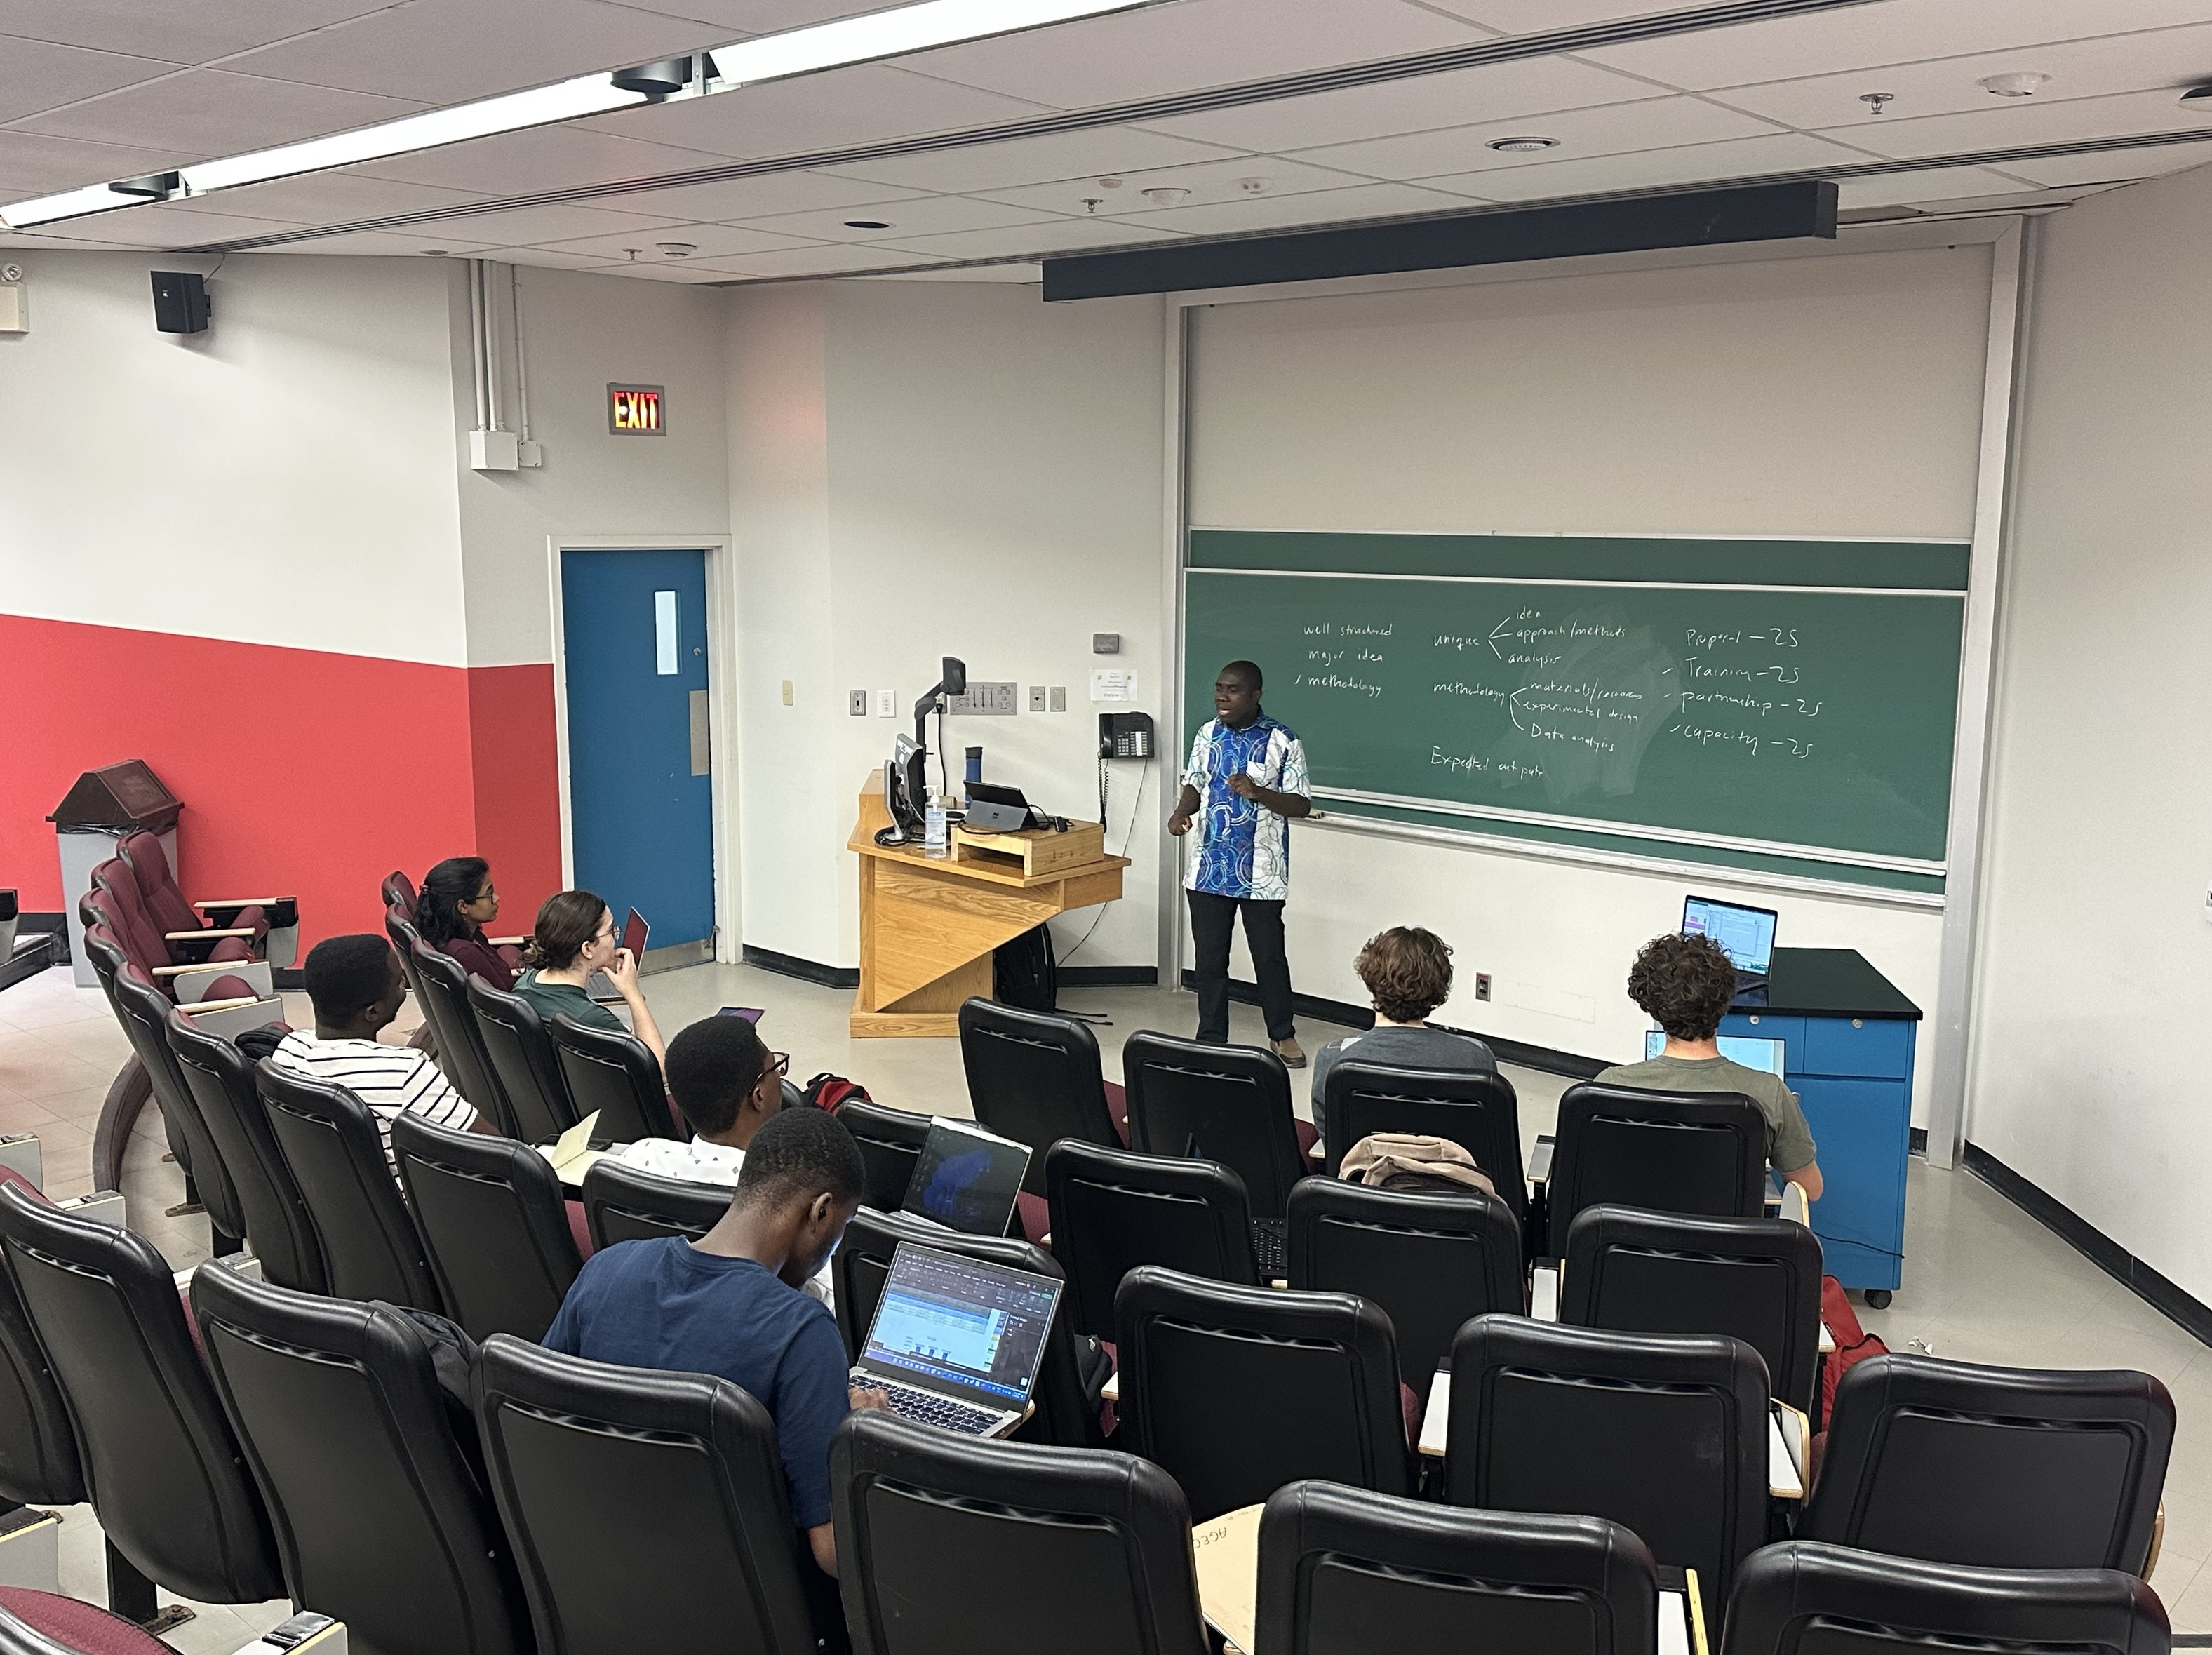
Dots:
pixel 648 1510
pixel 1035 1077
pixel 220 1079
pixel 1072 1370
pixel 381 1521
pixel 141 853
pixel 1701 1153
pixel 163 1468
pixel 369 1244
pixel 1998 1467
pixel 890 1142
pixel 461 1054
pixel 1238 1390
pixel 616 1074
pixel 951 1546
pixel 397 891
pixel 222 976
pixel 522 1061
pixel 494 1224
pixel 47 1623
pixel 1429 1261
pixel 144 1011
pixel 1826 1600
pixel 1113 1209
pixel 1666 1435
pixel 399 928
pixel 1478 1111
pixel 622 1203
pixel 1757 1279
pixel 148 941
pixel 1347 1569
pixel 38 1464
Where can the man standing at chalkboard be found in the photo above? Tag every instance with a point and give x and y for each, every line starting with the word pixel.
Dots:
pixel 1246 778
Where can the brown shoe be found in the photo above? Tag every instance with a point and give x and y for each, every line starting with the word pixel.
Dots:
pixel 1288 1050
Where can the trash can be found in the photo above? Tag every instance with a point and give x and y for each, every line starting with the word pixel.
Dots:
pixel 92 818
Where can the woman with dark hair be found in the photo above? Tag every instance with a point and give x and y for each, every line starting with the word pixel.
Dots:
pixel 456 903
pixel 574 936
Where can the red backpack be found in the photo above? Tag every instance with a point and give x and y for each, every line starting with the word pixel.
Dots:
pixel 827 1091
pixel 1853 1342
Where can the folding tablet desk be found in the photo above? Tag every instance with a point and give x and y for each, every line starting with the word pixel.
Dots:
pixel 1847 1041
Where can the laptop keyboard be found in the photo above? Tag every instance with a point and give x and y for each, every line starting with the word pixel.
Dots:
pixel 928 1408
pixel 1271 1249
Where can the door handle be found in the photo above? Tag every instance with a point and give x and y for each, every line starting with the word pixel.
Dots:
pixel 701 735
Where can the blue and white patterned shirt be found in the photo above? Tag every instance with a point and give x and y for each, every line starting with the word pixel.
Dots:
pixel 1244 848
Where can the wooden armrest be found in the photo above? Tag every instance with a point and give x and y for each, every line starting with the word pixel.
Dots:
pixel 1111 1391
pixel 1827 1340
pixel 1785 1452
pixel 1795 1207
pixel 1544 1291
pixel 199 1005
pixel 514 942
pixel 243 902
pixel 1436 1418
pixel 205 934
pixel 241 966
pixel 1540 1162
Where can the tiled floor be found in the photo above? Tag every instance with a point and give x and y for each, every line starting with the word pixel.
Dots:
pixel 1983 1281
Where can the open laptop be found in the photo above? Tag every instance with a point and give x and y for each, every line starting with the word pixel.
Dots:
pixel 996 810
pixel 1745 934
pixel 1753 1053
pixel 634 933
pixel 957 1342
pixel 966 1178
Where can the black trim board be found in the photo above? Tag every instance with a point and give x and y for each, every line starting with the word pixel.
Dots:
pixel 1109 976
pixel 1543 1059
pixel 806 970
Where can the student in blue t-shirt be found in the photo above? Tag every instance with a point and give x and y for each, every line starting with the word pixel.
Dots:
pixel 729 1304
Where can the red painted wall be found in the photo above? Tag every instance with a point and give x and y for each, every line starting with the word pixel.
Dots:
pixel 301 771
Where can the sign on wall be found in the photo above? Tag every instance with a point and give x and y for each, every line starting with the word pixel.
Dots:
pixel 634 410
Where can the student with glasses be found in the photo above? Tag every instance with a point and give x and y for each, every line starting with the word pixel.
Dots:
pixel 456 903
pixel 574 936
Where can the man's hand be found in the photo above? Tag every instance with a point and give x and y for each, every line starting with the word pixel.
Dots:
pixel 1245 788
pixel 1179 823
pixel 868 1396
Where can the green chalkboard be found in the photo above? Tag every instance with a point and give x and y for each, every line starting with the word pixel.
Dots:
pixel 1785 704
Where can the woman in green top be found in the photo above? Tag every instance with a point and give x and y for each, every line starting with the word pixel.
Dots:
pixel 574 936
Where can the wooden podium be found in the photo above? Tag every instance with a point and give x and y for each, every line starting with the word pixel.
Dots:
pixel 928 924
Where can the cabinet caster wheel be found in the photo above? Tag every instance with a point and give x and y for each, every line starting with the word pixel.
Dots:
pixel 1878 1298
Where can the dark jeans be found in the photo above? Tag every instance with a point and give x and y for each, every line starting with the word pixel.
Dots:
pixel 1211 918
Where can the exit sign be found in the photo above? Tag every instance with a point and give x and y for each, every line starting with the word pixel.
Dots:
pixel 634 410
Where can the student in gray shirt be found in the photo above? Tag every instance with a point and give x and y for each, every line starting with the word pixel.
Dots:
pixel 1686 985
pixel 1408 974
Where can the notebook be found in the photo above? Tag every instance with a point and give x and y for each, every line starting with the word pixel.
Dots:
pixel 571 1153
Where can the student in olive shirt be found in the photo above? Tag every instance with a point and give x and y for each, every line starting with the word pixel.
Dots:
pixel 574 936
pixel 1687 983
pixel 1408 974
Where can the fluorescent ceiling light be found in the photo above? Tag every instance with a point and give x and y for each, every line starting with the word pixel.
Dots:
pixel 71 204
pixel 893 34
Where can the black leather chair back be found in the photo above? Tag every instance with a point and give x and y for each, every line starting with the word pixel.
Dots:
pixel 379 1517
pixel 615 1074
pixel 1666 1435
pixel 1226 1104
pixel 400 927
pixel 521 1057
pixel 219 1077
pixel 1755 1279
pixel 1429 1262
pixel 166 1476
pixel 461 1052
pixel 144 1012
pixel 1344 1569
pixel 1667 1152
pixel 1035 1077
pixel 890 1142
pixel 1478 1111
pixel 1826 1600
pixel 623 1204
pixel 948 1544
pixel 1238 1390
pixel 369 1244
pixel 862 1263
pixel 648 1511
pixel 39 1463
pixel 493 1223
pixel 1998 1467
pixel 1113 1209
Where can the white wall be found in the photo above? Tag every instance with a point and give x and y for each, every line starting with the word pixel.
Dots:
pixel 2095 980
pixel 276 479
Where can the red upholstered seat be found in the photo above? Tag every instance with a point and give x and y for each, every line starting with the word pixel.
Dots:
pixel 80 1627
pixel 157 887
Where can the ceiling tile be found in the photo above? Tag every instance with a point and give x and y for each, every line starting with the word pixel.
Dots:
pixel 208 112
pixel 742 18
pixel 710 243
pixel 163 226
pixel 326 199
pixel 2113 166
pixel 676 275
pixel 1533 16
pixel 1613 129
pixel 529 226
pixel 1893 32
pixel 1209 181
pixel 1691 163
pixel 544 158
pixel 1190 44
pixel 32 163
pixel 52 242
pixel 439 50
pixel 756 198
pixel 187 34
pixel 917 216
pixel 547 258
pixel 1492 92
pixel 386 244
pixel 1317 207
pixel 995 166
pixel 864 104
pixel 35 76
pixel 2015 121
pixel 1062 235
pixel 822 261
pixel 1030 274
pixel 1934 184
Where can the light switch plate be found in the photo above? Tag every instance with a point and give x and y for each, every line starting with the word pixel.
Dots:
pixel 1059 698
pixel 856 703
pixel 886 703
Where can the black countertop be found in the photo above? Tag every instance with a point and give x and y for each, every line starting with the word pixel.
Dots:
pixel 1825 982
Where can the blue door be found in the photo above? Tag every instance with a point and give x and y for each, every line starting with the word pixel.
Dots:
pixel 641 800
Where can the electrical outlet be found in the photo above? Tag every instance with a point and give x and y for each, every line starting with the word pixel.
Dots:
pixel 886 703
pixel 787 692
pixel 1059 698
pixel 1482 985
pixel 856 703
pixel 1037 697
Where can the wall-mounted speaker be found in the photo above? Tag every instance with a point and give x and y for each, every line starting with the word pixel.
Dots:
pixel 181 301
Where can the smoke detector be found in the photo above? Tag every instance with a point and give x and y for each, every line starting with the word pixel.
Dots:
pixel 1252 186
pixel 1165 195
pixel 676 249
pixel 1522 146
pixel 2014 86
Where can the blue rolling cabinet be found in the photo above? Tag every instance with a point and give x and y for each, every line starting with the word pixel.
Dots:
pixel 1847 1037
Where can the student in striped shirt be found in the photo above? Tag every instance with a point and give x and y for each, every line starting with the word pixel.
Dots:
pixel 356 986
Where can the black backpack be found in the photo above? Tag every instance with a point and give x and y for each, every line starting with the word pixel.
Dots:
pixel 1024 974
